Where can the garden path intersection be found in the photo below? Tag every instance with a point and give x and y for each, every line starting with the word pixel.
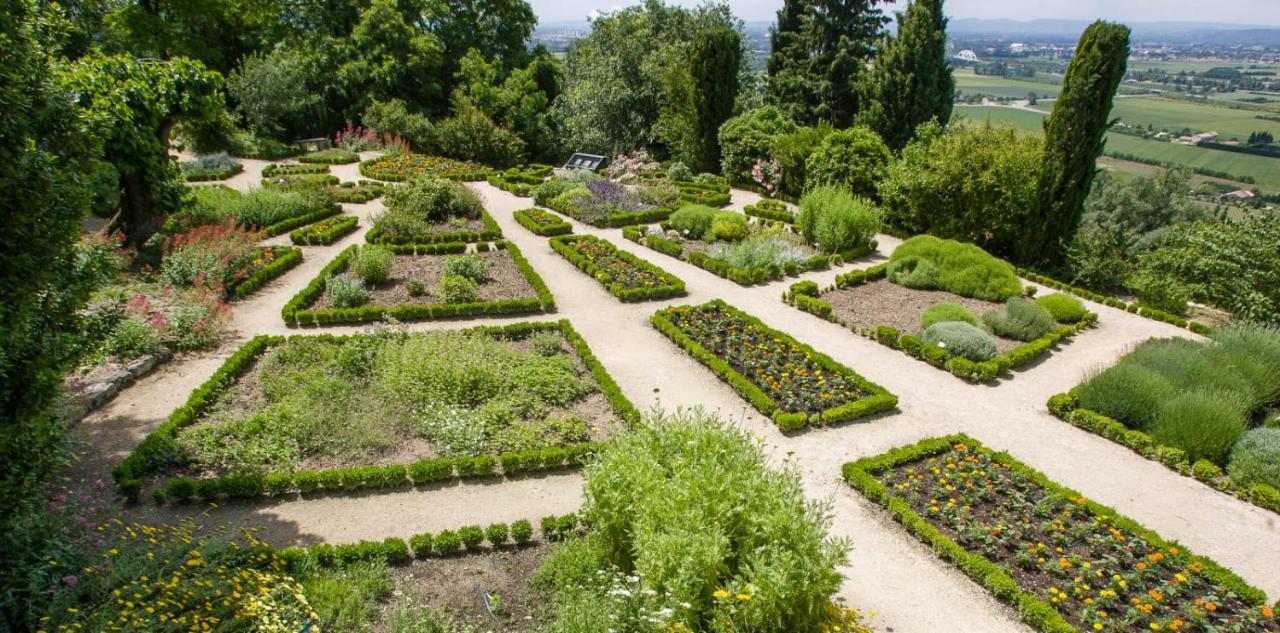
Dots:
pixel 890 573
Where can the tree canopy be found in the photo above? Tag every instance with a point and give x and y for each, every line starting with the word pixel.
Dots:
pixel 911 83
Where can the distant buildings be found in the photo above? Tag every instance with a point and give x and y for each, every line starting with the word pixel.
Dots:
pixel 1196 139
pixel 967 55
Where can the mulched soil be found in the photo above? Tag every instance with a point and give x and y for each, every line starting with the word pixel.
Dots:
pixel 472 224
pixel 883 302
pixel 455 585
pixel 505 281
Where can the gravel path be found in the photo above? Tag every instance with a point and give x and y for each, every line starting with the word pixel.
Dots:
pixel 890 572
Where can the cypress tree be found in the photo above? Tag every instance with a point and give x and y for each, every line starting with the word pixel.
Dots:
pixel 714 66
pixel 911 82
pixel 1074 138
pixel 787 86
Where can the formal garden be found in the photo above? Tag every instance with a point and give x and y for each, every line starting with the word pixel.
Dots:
pixel 301 342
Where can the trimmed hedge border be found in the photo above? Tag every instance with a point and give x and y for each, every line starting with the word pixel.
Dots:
pixel 879 400
pixel 621 220
pixel 1132 308
pixel 806 296
pixel 1035 611
pixel 296 313
pixel 209 176
pixel 520 181
pixel 672 286
pixel 325 232
pixel 741 276
pixel 704 194
pixel 286 257
pixel 357 192
pixel 293 169
pixel 490 232
pixel 288 224
pixel 1066 407
pixel 318 158
pixel 463 541
pixel 529 219
pixel 369 169
pixel 153 448
pixel 763 210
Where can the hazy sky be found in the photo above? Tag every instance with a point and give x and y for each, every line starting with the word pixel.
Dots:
pixel 1255 12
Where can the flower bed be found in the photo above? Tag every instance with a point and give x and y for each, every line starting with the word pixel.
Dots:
pixel 299 181
pixel 325 232
pixel 1065 563
pixel 289 224
pixel 784 379
pixel 331 156
pixel 293 169
pixel 542 222
pixel 298 311
pixel 710 195
pixel 520 181
pixel 206 176
pixel 404 166
pixel 628 277
pixel 743 276
pixel 162 449
pixel 490 231
pixel 267 263
pixel 807 296
pixel 357 192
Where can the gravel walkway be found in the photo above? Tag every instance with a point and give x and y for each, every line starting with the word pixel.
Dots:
pixel 890 572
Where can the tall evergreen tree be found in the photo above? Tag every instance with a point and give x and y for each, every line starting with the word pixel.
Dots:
pixel 911 82
pixel 819 52
pixel 1074 138
pixel 714 66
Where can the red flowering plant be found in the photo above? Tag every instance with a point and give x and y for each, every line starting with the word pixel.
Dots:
pixel 356 138
pixel 212 256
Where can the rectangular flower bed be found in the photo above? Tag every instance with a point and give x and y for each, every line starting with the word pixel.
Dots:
pixel 515 289
pixel 839 303
pixel 784 379
pixel 1064 562
pixel 325 232
pixel 520 181
pixel 542 222
pixel 405 166
pixel 483 229
pixel 628 277
pixel 414 409
pixel 268 262
pixel 770 210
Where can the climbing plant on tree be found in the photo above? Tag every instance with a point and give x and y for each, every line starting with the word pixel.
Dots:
pixel 132 106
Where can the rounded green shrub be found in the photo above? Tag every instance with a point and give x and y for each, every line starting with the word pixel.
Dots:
pixel 693 220
pixel 372 264
pixel 1255 459
pixel 855 160
pixel 547 191
pixel 432 199
pixel 473 267
pixel 1204 424
pixel 1020 320
pixel 1128 392
pixel 961 339
pixel 1064 307
pixel 728 226
pixel 346 291
pixel 679 172
pixel 834 220
pixel 944 311
pixel 963 269
pixel 416 287
pixel 570 199
pixel 914 272
pixel 457 289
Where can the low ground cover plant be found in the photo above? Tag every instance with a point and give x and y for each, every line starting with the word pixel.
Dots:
pixel 331 156
pixel 626 276
pixel 691 531
pixel 927 262
pixel 961 339
pixel 1021 320
pixel 770 210
pixel 270 210
pixel 1066 562
pixel 325 232
pixel 1197 397
pixel 402 166
pixel 781 377
pixel 542 222
pixel 217 166
pixel 431 209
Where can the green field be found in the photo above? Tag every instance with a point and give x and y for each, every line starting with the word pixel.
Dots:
pixel 1266 171
pixel 1199 66
pixel 969 83
pixel 1172 114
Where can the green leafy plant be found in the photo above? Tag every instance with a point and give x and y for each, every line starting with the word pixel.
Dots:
pixel 457 289
pixel 944 311
pixel 346 291
pixel 836 221
pixel 963 269
pixel 729 226
pixel 1020 320
pixel 372 264
pixel 416 287
pixel 1255 458
pixel 961 339
pixel 1064 307
pixel 473 267
pixel 1204 424
pixel 693 220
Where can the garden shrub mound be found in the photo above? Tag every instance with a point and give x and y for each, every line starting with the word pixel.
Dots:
pixel 781 377
pixel 944 311
pixel 1197 397
pixel 429 209
pixel 270 210
pixel 627 277
pixel 1064 562
pixel 926 262
pixel 399 167
pixel 1021 320
pixel 691 530
pixel 415 282
pixel 1064 307
pixel 217 166
pixel 770 210
pixel 961 339
pixel 835 221
pixel 321 402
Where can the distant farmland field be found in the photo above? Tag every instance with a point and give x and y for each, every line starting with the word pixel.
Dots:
pixel 1172 114
pixel 969 83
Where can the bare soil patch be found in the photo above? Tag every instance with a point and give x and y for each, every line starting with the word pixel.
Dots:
pixel 883 302
pixel 505 281
pixel 456 585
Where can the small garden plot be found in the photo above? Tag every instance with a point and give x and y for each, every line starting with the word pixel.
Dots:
pixel 403 166
pixel 521 181
pixel 628 277
pixel 219 166
pixel 356 192
pixel 325 232
pixel 1064 562
pixel 1206 409
pixel 784 379
pixel 770 210
pixel 331 156
pixel 428 210
pixel 542 222
pixel 381 410
pixel 223 259
pixel 416 282
pixel 605 203
pixel 271 211
pixel 966 316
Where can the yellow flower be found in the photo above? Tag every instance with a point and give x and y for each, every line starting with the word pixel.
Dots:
pixel 744 597
pixel 721 594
